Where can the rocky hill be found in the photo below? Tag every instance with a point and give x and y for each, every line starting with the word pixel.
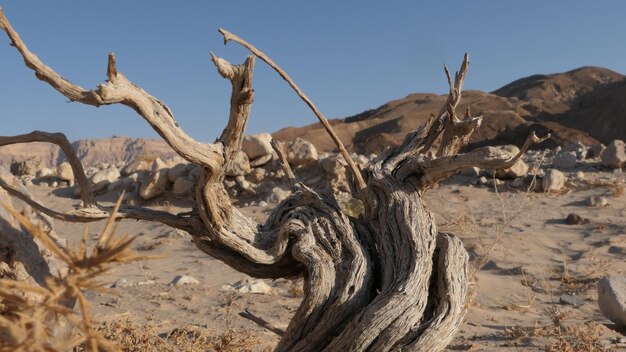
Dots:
pixel 115 150
pixel 586 104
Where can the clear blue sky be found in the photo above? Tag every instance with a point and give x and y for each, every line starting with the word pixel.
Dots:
pixel 347 56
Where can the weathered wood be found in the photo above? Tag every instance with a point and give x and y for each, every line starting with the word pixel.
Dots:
pixel 384 281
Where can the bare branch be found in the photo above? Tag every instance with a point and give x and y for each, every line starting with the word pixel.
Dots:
pixel 261 322
pixel 94 213
pixel 62 141
pixel 241 99
pixel 351 164
pixel 430 172
pixel 279 148
pixel 119 90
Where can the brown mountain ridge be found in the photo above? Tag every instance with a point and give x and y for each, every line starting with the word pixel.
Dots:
pixel 587 104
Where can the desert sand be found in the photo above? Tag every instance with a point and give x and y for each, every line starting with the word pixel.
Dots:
pixel 536 269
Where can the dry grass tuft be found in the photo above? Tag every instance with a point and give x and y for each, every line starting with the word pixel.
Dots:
pixel 563 338
pixel 27 324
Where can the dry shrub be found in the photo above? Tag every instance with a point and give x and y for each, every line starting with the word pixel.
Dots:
pixel 563 338
pixel 134 337
pixel 27 321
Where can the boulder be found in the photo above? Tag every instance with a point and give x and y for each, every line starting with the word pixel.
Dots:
pixel 257 145
pixel 156 183
pixel 180 280
pixel 301 152
pixel 182 185
pixel 240 166
pixel 565 160
pixel 278 195
pixel 26 167
pixel 614 156
pixel 136 166
pixel 45 172
pixel 553 180
pixel 519 169
pixel 257 286
pixel 65 172
pixel 101 179
pixel 262 160
pixel 595 151
pixel 177 171
pixel 612 298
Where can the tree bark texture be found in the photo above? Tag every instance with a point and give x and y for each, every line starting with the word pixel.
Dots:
pixel 385 280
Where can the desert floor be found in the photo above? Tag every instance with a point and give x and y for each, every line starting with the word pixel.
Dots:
pixel 534 263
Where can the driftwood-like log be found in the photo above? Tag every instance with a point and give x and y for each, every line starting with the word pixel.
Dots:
pixel 383 281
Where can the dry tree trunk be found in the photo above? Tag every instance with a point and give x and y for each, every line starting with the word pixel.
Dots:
pixel 383 281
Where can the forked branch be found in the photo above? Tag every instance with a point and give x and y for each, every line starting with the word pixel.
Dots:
pixel 358 177
pixel 63 143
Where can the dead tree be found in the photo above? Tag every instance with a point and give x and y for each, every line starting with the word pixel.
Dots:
pixel 382 281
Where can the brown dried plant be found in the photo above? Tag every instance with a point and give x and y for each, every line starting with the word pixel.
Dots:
pixel 26 323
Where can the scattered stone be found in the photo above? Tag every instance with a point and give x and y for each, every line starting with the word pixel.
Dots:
pixel 177 171
pixel 614 156
pixel 612 298
pixel 579 149
pixel 45 172
pixel 250 286
pixel 278 195
pixel 65 172
pixel 553 180
pixel 183 185
pixel 26 167
pixel 257 175
pixel 101 179
pixel 54 184
pixel 575 219
pixel 239 166
pixel 598 202
pixel 156 183
pixel 262 160
pixel 180 280
pixel 565 160
pixel 229 183
pixel 263 204
pixel 301 152
pixel 470 171
pixel 120 283
pixel 572 300
pixel 595 151
pixel 137 165
pixel 580 175
pixel 257 145
pixel 482 180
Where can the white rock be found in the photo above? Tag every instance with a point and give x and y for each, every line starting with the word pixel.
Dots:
pixel 263 204
pixel 612 298
pixel 103 178
pixel 180 280
pixel 156 183
pixel 595 150
pixel 182 185
pixel 65 172
pixel 178 171
pixel 614 156
pixel 553 180
pixel 257 145
pixel 250 286
pixel 598 202
pixel 240 166
pixel 519 169
pixel 301 152
pixel 565 160
pixel 260 161
pixel 45 172
pixel 136 166
pixel 470 171
pixel 278 195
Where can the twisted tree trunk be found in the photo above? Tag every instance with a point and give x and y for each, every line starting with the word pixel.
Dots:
pixel 384 280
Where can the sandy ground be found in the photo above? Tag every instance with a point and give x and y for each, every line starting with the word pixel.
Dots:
pixel 536 260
